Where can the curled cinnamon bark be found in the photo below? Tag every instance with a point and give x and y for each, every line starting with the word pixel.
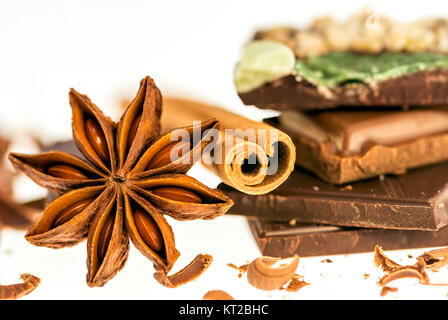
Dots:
pixel 256 158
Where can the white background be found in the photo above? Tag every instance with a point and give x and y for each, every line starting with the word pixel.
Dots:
pixel 190 48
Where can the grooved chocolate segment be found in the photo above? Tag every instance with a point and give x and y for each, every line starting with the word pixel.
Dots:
pixel 417 200
pixel 423 88
pixel 282 240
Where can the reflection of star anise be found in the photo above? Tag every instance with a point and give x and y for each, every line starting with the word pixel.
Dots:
pixel 124 187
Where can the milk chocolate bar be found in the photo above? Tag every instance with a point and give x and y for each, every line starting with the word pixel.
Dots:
pixel 346 146
pixel 283 240
pixel 417 200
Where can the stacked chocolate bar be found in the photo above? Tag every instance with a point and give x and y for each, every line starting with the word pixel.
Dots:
pixel 365 104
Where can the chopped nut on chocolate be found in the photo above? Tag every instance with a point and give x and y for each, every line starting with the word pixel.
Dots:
pixel 365 32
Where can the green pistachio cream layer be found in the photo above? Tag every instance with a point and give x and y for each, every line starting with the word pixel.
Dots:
pixel 265 61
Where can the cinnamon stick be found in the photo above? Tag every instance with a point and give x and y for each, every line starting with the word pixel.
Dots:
pixel 256 157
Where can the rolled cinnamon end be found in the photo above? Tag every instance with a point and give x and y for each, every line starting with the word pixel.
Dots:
pixel 255 157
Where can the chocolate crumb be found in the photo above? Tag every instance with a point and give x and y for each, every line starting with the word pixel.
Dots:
pixel 217 295
pixel 242 269
pixel 231 265
pixel 327 261
pixel 295 284
pixel 386 290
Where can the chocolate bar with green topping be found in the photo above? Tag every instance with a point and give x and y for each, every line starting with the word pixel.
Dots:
pixel 269 75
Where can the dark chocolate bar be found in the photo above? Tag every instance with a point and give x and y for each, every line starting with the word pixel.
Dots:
pixel 283 240
pixel 424 88
pixel 347 146
pixel 417 200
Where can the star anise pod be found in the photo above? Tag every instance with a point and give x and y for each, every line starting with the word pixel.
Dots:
pixel 124 187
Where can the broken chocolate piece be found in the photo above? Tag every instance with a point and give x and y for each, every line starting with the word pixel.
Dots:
pixel 417 200
pixel 347 146
pixel 282 240
pixel 353 131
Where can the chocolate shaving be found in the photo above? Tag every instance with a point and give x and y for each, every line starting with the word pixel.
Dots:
pixel 416 271
pixel 381 260
pixel 396 271
pixel 435 259
pixel 386 290
pixel 18 290
pixel 270 273
pixel 191 272
pixel 217 295
pixel 431 260
pixel 295 284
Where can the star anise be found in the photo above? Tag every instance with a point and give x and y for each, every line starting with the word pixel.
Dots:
pixel 124 187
